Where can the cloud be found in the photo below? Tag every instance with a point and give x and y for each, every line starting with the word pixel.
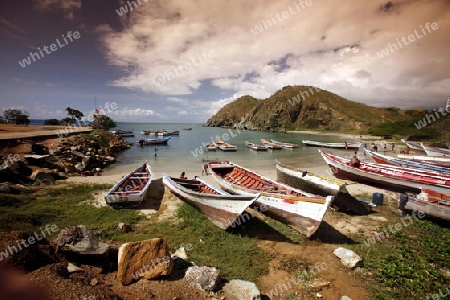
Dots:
pixel 331 45
pixel 67 6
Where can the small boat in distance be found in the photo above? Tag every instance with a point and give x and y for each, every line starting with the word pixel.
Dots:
pixel 284 145
pixel 300 210
pixel 435 151
pixel 271 145
pixel 255 146
pixel 131 189
pixel 190 128
pixel 225 146
pixel 344 145
pixel 211 146
pixel 220 207
pixel 157 141
pixel 123 133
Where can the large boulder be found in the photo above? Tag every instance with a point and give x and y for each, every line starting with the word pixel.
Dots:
pixel 146 259
pixel 348 258
pixel 80 240
pixel 42 175
pixel 242 289
pixel 204 278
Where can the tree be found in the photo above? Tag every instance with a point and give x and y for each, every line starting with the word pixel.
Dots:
pixel 103 122
pixel 51 122
pixel 74 114
pixel 16 116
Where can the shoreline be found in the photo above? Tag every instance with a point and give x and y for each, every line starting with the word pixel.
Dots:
pixel 346 135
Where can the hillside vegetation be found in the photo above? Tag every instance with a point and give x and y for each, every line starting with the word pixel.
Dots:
pixel 310 108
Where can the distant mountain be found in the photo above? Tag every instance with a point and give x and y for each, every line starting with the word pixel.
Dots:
pixel 304 108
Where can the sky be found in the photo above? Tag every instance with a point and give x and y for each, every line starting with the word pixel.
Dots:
pixel 180 61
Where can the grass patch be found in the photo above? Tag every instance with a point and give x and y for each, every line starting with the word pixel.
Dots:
pixel 235 255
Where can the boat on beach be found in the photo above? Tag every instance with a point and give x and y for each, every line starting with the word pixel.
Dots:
pixel 157 141
pixel 386 175
pixel 435 151
pixel 436 160
pixel 225 146
pixel 344 145
pixel 413 145
pixel 384 159
pixel 323 186
pixel 434 208
pixel 130 190
pixel 255 146
pixel 300 210
pixel 220 207
pixel 271 145
pixel 284 145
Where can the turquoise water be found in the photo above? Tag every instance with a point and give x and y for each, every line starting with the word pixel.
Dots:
pixel 180 154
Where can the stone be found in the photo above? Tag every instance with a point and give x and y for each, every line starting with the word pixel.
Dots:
pixel 94 282
pixel 42 175
pixel 71 268
pixel 348 258
pixel 124 227
pixel 180 253
pixel 204 278
pixel 242 289
pixel 346 298
pixel 5 187
pixel 146 259
pixel 81 240
pixel 110 158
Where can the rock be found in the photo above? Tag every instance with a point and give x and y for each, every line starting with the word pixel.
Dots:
pixel 81 240
pixel 109 158
pixel 39 149
pixel 42 175
pixel 348 258
pixel 242 289
pixel 180 253
pixel 204 278
pixel 5 187
pixel 86 160
pixel 124 227
pixel 94 282
pixel 346 298
pixel 80 166
pixel 144 259
pixel 71 268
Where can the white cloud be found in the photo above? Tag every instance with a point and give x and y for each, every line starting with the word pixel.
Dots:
pixel 323 45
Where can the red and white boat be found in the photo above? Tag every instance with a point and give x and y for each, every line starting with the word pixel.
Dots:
pixel 300 210
pixel 393 176
pixel 384 159
pixel 344 145
pixel 225 146
pixel 271 145
pixel 211 146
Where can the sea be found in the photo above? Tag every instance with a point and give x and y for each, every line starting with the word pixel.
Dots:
pixel 186 152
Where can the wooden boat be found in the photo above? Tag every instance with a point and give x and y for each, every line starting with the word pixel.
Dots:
pixel 157 141
pixel 384 159
pixel 300 210
pixel 211 146
pixel 176 132
pixel 284 145
pixel 123 133
pixel 271 145
pixel 343 145
pixel 131 189
pixel 385 175
pixel 187 128
pixel 413 145
pixel 255 146
pixel 431 208
pixel 219 206
pixel 225 146
pixel 437 160
pixel 324 186
pixel 435 151
pixel 149 132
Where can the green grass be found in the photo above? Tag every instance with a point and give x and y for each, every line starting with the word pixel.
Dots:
pixel 236 256
pixel 410 263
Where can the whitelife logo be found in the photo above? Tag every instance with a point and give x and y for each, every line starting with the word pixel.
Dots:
pixel 53 47
pixel 411 38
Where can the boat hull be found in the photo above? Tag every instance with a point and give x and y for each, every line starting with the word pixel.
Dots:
pixel 344 171
pixel 131 189
pixel 221 209
pixel 303 216
pixel 332 145
pixel 429 209
pixel 323 186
